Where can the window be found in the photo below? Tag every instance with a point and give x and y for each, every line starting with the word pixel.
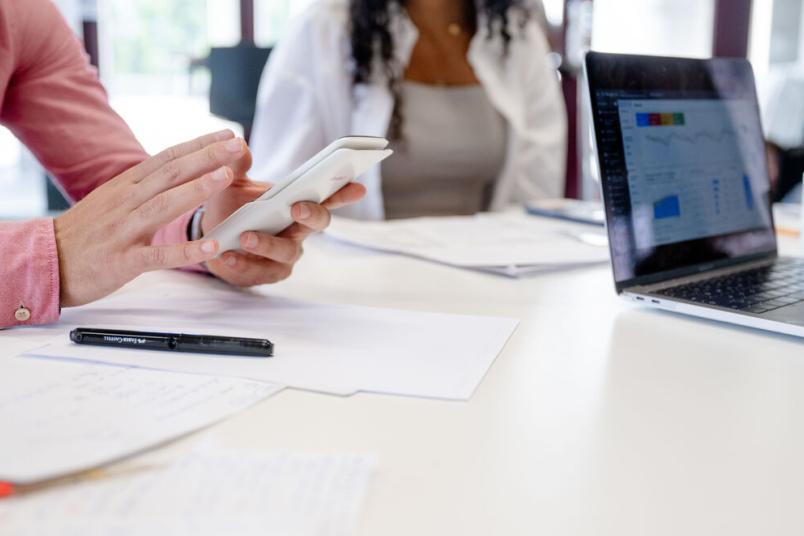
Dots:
pixel 554 11
pixel 148 51
pixel 22 189
pixel 660 27
pixel 270 18
pixel 777 46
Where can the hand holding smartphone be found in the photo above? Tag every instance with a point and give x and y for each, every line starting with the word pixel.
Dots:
pixel 316 180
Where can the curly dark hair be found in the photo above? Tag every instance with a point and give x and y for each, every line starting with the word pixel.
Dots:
pixel 370 32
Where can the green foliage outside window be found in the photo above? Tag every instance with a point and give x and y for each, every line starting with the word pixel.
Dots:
pixel 157 36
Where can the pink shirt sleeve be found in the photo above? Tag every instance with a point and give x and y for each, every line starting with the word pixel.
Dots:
pixel 29 282
pixel 51 99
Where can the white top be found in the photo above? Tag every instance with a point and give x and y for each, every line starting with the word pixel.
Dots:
pixel 307 99
pixel 451 151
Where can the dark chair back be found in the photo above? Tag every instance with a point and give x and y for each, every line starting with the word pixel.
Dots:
pixel 56 202
pixel 235 77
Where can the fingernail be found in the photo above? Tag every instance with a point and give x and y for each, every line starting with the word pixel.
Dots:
pixel 224 135
pixel 208 246
pixel 251 240
pixel 304 212
pixel 221 174
pixel 234 146
pixel 231 260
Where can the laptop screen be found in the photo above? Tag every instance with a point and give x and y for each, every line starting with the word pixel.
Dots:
pixel 683 166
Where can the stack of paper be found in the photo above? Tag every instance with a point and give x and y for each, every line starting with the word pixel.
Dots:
pixel 211 491
pixel 574 210
pixel 59 418
pixel 506 244
pixel 329 348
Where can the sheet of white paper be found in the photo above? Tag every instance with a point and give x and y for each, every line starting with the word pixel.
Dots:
pixel 210 491
pixel 484 240
pixel 58 418
pixel 329 348
pixel 11 346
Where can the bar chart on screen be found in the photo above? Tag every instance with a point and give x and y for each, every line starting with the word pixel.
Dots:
pixel 690 164
pixel 667 207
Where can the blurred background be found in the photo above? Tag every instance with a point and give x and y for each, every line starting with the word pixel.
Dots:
pixel 177 68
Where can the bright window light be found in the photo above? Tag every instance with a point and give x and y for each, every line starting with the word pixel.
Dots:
pixel 656 27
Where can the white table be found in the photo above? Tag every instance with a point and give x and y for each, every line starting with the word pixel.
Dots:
pixel 599 418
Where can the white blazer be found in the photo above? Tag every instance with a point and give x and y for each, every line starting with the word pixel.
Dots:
pixel 307 99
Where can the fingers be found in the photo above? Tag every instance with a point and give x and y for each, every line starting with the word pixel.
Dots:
pixel 151 258
pixel 311 215
pixel 310 218
pixel 245 270
pixel 269 259
pixel 283 250
pixel 178 151
pixel 351 193
pixel 169 205
pixel 189 167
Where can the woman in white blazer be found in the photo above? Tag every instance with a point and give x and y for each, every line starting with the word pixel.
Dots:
pixel 464 91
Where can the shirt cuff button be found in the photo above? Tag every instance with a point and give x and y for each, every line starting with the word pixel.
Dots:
pixel 22 314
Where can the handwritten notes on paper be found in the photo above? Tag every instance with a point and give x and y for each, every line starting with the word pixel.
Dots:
pixel 58 418
pixel 210 491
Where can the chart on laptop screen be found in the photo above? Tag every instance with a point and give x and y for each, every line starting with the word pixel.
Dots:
pixel 691 166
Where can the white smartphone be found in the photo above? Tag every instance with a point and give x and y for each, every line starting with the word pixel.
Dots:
pixel 316 180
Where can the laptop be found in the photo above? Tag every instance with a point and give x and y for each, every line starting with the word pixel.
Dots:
pixel 686 190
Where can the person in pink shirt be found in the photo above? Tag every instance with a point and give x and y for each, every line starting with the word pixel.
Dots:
pixel 132 212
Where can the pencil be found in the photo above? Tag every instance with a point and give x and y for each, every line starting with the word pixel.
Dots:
pixel 783 231
pixel 6 490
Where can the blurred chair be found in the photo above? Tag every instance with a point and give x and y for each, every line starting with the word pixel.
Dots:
pixel 235 74
pixel 56 202
pixel 791 168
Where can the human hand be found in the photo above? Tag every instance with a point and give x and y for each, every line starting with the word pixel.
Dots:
pixel 267 258
pixel 104 241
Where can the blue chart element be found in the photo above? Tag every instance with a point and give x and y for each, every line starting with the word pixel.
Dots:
pixel 643 120
pixel 667 207
pixel 749 193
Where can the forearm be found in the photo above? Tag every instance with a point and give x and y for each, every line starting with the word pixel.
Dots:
pixel 29 273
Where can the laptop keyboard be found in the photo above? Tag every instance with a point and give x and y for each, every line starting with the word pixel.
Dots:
pixel 757 290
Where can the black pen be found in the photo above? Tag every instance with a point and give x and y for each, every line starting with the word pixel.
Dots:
pixel 175 342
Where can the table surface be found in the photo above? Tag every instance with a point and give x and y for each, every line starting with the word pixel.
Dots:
pixel 598 417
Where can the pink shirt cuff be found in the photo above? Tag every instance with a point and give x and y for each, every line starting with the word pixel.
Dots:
pixel 176 233
pixel 29 278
